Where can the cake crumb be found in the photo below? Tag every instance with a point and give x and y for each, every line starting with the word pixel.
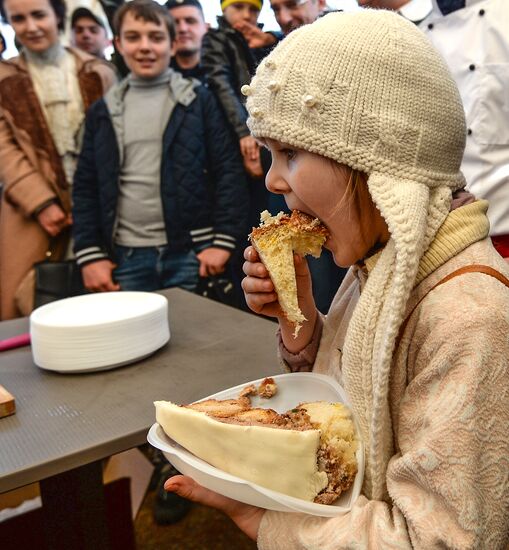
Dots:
pixel 267 388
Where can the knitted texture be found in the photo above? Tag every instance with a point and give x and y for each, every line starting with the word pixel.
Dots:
pixel 367 89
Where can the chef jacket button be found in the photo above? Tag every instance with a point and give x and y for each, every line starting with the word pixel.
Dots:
pixel 469 131
pixel 481 12
pixel 471 67
pixel 430 26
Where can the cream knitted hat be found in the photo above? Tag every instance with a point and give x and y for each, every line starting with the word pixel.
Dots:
pixel 368 90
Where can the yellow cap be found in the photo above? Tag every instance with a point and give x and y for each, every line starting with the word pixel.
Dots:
pixel 256 3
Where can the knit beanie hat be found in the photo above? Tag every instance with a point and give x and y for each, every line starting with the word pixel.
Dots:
pixel 256 3
pixel 367 89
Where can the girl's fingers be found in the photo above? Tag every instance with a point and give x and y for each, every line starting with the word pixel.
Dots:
pixel 247 517
pixel 251 255
pixel 255 270
pixel 252 285
pixel 259 302
pixel 187 488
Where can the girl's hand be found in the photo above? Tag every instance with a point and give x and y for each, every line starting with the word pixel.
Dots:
pixel 257 286
pixel 262 298
pixel 246 517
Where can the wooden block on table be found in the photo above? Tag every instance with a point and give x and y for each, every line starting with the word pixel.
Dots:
pixel 7 403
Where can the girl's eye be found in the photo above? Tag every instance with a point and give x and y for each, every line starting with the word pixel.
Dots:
pixel 289 153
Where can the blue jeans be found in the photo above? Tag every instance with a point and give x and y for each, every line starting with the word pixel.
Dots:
pixel 153 268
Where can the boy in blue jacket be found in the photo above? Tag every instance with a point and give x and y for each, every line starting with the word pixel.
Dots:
pixel 160 196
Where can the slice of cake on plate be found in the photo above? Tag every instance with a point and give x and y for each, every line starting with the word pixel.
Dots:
pixel 307 452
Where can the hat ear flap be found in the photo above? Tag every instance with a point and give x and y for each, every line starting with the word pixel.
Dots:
pixel 413 213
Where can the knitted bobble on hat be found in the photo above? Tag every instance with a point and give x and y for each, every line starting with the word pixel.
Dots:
pixel 368 90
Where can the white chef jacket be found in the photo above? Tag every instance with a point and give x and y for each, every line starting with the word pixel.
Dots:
pixel 475 44
pixel 415 10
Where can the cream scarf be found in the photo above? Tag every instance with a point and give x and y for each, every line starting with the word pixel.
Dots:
pixel 374 327
pixel 54 76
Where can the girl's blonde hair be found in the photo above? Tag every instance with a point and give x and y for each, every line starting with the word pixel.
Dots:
pixel 356 186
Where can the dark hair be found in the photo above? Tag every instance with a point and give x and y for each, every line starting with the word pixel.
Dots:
pixel 58 6
pixel 149 11
pixel 171 4
pixel 3 43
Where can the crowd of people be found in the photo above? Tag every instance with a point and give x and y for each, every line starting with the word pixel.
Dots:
pixel 389 123
pixel 111 237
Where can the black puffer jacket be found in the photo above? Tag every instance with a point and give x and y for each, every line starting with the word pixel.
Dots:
pixel 203 188
pixel 229 63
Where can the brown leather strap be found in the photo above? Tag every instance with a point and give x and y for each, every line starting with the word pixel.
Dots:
pixel 474 268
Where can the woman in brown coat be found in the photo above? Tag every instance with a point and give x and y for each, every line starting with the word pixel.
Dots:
pixel 44 94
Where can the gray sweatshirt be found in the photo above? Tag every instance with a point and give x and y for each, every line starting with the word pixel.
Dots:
pixel 148 105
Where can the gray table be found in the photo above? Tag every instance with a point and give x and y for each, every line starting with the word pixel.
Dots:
pixel 66 424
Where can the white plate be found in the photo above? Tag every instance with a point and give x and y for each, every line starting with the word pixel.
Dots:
pixel 292 390
pixel 98 331
pixel 97 310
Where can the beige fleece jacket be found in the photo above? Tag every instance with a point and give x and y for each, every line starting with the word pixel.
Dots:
pixel 448 479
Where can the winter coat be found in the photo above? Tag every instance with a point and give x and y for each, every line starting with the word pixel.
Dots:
pixel 448 390
pixel 31 169
pixel 229 63
pixel 203 187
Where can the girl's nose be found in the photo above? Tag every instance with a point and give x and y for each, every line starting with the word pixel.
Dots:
pixel 275 183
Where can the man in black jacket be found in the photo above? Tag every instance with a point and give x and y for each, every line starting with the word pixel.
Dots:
pixel 292 14
pixel 191 28
pixel 229 63
pixel 159 193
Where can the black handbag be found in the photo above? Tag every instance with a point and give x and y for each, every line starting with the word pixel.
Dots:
pixel 57 280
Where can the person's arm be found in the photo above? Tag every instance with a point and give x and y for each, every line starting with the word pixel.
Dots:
pixel 108 72
pixel 24 186
pixel 89 246
pixel 229 185
pixel 217 66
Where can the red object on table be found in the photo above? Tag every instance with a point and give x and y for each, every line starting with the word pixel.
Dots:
pixel 15 342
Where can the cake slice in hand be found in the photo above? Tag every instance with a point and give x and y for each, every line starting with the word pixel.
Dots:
pixel 276 239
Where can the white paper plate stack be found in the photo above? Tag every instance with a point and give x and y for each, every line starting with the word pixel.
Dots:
pixel 98 331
